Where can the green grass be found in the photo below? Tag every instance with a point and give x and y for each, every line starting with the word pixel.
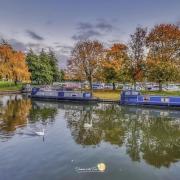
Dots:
pixel 9 86
pixel 115 95
pixel 107 94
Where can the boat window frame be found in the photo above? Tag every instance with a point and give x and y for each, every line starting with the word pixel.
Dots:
pixel 146 98
pixel 165 99
pixel 131 93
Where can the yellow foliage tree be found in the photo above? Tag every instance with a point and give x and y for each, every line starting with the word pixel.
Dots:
pixel 13 64
pixel 163 60
pixel 113 63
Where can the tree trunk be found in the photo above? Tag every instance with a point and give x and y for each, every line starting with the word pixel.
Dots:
pixel 15 82
pixel 160 86
pixel 134 83
pixel 114 87
pixel 90 85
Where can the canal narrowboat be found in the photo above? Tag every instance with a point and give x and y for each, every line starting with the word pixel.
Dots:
pixel 53 94
pixel 132 97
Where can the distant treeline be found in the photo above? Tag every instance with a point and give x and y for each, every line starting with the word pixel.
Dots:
pixel 152 55
pixel 38 68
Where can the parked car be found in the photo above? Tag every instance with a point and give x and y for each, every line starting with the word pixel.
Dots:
pixel 171 88
pixel 97 86
pixel 153 88
pixel 108 86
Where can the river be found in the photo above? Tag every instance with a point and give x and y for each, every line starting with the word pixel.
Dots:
pixel 87 141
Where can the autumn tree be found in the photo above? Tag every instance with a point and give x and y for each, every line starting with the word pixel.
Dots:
pixel 85 61
pixel 112 64
pixel 134 66
pixel 13 64
pixel 163 57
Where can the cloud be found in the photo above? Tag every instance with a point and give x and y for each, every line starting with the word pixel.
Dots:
pixel 62 59
pixel 88 30
pixel 86 35
pixel 100 24
pixel 64 49
pixel 34 35
pixel 104 26
pixel 84 26
pixel 17 45
pixel 63 46
pixel 49 22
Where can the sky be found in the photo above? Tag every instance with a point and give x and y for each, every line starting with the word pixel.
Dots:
pixel 59 24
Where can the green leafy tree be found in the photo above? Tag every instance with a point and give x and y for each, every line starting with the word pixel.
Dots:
pixel 57 73
pixel 110 75
pixel 44 67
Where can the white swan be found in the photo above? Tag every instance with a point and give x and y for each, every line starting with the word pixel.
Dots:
pixel 40 133
pixel 88 125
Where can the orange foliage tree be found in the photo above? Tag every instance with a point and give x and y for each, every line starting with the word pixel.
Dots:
pixel 135 65
pixel 163 60
pixel 85 61
pixel 112 63
pixel 13 64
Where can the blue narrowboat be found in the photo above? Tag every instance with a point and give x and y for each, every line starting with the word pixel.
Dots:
pixel 48 94
pixel 132 97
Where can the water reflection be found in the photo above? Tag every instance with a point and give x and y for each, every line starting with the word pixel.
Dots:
pixel 44 112
pixel 150 135
pixel 14 114
pixel 17 113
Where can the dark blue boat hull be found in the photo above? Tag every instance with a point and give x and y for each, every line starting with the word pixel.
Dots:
pixel 135 98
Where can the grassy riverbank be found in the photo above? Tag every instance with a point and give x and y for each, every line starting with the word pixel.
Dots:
pixel 115 95
pixel 9 86
pixel 107 94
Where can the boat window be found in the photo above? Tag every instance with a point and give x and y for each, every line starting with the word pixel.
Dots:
pixel 146 98
pixel 133 93
pixel 165 99
pixel 127 93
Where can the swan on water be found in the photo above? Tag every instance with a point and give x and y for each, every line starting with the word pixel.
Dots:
pixel 40 133
pixel 88 125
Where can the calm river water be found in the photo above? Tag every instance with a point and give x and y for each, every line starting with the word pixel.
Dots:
pixel 99 141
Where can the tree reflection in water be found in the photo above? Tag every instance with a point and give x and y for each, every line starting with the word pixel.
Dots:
pixel 14 114
pixel 18 112
pixel 44 112
pixel 147 134
pixel 76 117
pixel 151 135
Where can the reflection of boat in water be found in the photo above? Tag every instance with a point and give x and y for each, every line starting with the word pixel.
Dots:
pixel 60 95
pixel 127 110
pixel 67 105
pixel 132 97
pixel 151 112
